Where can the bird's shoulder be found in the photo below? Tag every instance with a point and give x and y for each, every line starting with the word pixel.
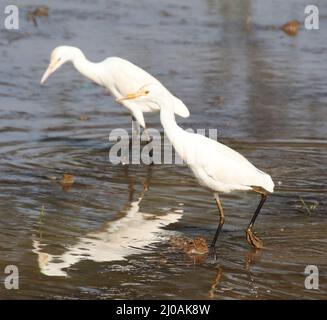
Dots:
pixel 115 60
pixel 125 71
pixel 215 150
pixel 122 65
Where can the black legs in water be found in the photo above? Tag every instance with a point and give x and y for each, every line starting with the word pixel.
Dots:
pixel 221 220
pixel 251 238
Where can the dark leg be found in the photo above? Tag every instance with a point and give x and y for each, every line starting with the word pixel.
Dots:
pixel 149 140
pixel 147 136
pixel 221 220
pixel 135 128
pixel 251 238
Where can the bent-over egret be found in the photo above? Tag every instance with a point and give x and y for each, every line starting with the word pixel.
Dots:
pixel 120 77
pixel 216 166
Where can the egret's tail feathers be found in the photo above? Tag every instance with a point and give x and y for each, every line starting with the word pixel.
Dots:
pixel 263 183
pixel 267 183
pixel 271 185
pixel 180 108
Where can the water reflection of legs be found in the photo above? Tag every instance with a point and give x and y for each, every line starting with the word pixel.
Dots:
pixel 251 257
pixel 215 283
pixel 130 233
pixel 136 141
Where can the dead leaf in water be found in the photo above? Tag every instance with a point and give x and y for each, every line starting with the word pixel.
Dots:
pixel 67 181
pixel 196 246
pixel 178 242
pixel 165 13
pixel 193 247
pixel 84 117
pixel 40 11
pixel 219 100
pixel 291 28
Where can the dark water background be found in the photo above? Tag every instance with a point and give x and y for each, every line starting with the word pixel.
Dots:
pixel 106 237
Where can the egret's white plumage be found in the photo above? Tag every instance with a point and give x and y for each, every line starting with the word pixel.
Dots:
pixel 216 166
pixel 120 77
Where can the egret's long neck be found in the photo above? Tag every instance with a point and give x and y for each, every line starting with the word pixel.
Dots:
pixel 173 131
pixel 87 68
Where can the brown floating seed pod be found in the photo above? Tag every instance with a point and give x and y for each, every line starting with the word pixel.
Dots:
pixel 40 11
pixel 291 28
pixel 67 181
pixel 84 117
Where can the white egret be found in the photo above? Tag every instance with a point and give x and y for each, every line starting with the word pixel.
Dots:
pixel 120 77
pixel 216 166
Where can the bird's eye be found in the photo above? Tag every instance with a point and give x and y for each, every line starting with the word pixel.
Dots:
pixel 58 59
pixel 146 91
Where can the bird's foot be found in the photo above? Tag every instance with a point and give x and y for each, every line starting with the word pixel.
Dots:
pixel 212 255
pixel 253 240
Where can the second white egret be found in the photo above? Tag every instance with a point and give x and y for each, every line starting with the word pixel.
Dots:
pixel 216 166
pixel 120 77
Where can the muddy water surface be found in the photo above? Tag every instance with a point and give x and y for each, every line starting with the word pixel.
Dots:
pixel 108 235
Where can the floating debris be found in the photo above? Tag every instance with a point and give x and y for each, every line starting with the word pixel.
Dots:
pixel 308 206
pixel 165 13
pixel 177 242
pixel 40 11
pixel 84 117
pixel 67 181
pixel 219 100
pixel 291 28
pixel 195 246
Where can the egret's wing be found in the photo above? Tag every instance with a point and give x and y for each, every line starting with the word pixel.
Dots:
pixel 229 167
pixel 135 111
pixel 128 78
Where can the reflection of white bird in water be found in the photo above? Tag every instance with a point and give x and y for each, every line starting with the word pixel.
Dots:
pixel 216 166
pixel 121 77
pixel 115 241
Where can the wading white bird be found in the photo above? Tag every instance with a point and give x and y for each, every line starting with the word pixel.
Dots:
pixel 216 166
pixel 120 77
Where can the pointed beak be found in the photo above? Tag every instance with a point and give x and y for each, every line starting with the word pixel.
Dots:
pixel 129 96
pixel 53 66
pixel 47 73
pixel 135 95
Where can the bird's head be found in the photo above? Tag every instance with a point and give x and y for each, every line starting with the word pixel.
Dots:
pixel 58 57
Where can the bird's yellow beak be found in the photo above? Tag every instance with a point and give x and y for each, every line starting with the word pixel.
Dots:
pixel 53 66
pixel 134 95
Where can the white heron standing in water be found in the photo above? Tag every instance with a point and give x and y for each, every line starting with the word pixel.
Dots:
pixel 120 77
pixel 216 166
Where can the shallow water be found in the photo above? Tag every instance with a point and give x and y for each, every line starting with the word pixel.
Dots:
pixel 108 236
